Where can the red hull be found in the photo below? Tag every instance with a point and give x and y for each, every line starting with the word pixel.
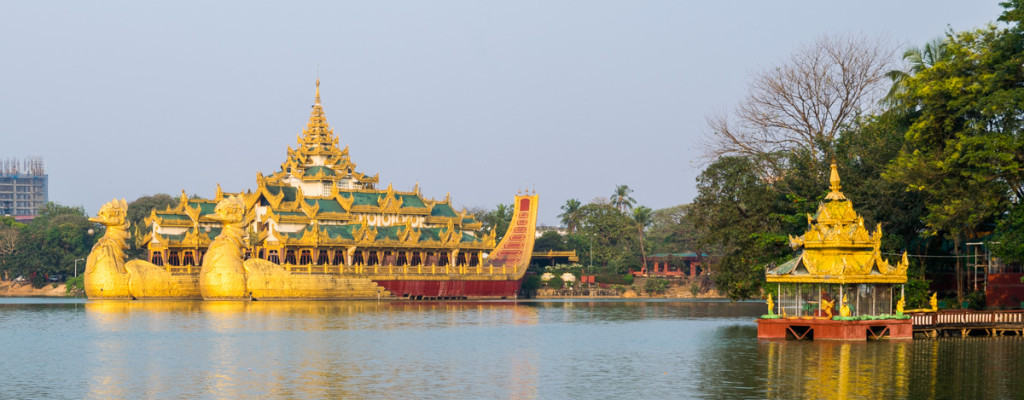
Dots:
pixel 451 289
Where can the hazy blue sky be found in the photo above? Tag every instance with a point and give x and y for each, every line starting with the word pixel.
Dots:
pixel 476 98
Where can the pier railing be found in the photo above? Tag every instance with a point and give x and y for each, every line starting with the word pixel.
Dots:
pixel 968 317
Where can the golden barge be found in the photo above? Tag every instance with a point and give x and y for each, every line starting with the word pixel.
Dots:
pixel 315 229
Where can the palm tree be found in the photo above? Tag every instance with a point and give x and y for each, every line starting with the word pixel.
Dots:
pixel 918 59
pixel 643 217
pixel 621 198
pixel 571 215
pixel 499 220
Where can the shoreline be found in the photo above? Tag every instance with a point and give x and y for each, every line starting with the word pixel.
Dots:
pixel 25 289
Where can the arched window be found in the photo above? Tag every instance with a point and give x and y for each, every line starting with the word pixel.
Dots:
pixel 372 259
pixel 158 258
pixel 357 258
pixel 273 257
pixel 173 258
pixel 322 258
pixel 305 258
pixel 416 261
pixel 443 262
pixel 401 259
pixel 188 259
pixel 339 258
pixel 474 259
pixel 289 257
pixel 460 259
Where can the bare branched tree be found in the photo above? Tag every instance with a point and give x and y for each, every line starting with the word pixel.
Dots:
pixel 804 102
pixel 8 242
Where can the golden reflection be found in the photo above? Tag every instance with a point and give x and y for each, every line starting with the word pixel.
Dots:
pixel 837 370
pixel 241 349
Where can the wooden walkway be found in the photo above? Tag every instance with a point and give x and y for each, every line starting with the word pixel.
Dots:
pixel 964 323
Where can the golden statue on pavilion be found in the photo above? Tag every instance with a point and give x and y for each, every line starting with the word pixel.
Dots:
pixel 317 228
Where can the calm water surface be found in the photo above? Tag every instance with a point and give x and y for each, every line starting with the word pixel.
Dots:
pixel 472 350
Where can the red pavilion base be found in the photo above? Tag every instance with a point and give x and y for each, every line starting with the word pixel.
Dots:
pixel 827 329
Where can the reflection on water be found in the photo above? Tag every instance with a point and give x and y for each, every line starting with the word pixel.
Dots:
pixel 543 349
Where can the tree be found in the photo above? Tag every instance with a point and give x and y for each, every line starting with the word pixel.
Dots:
pixel 621 198
pixel 549 240
pixel 609 236
pixel 964 149
pixel 670 231
pixel 51 242
pixel 642 217
pixel 805 102
pixel 744 223
pixel 8 243
pixel 138 210
pixel 571 215
pixel 497 219
pixel 917 59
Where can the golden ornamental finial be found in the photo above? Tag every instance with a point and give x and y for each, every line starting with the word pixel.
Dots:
pixel 835 187
pixel 318 90
pixel 833 178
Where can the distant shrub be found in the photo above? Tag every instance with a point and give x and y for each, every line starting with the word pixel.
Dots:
pixel 75 285
pixel 655 285
pixel 612 279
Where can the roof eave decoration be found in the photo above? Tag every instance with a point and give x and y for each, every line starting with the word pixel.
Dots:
pixel 389 203
pixel 364 235
pixel 311 210
pixel 408 234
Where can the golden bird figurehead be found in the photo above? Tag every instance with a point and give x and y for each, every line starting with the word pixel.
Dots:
pixel 230 211
pixel 113 213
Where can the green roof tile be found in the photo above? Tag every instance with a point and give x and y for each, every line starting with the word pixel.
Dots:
pixel 430 234
pixel 289 192
pixel 176 217
pixel 204 207
pixel 412 201
pixel 340 231
pixel 327 205
pixel 361 198
pixel 387 232
pixel 316 169
pixel 442 210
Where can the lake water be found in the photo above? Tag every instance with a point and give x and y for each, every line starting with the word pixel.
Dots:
pixel 473 350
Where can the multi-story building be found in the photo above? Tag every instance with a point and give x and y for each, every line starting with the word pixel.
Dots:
pixel 23 187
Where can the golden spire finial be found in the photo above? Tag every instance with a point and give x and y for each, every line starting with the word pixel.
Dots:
pixel 318 90
pixel 833 178
pixel 834 186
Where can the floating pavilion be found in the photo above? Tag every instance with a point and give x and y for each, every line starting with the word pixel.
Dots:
pixel 839 267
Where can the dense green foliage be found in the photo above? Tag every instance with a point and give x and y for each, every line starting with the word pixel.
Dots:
pixel 530 285
pixel 655 286
pixel 497 220
pixel 75 285
pixel 140 209
pixel 549 240
pixel 50 244
pixel 940 164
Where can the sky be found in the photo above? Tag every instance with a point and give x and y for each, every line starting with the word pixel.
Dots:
pixel 480 99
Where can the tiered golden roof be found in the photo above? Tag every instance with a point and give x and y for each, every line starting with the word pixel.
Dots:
pixel 318 199
pixel 837 248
